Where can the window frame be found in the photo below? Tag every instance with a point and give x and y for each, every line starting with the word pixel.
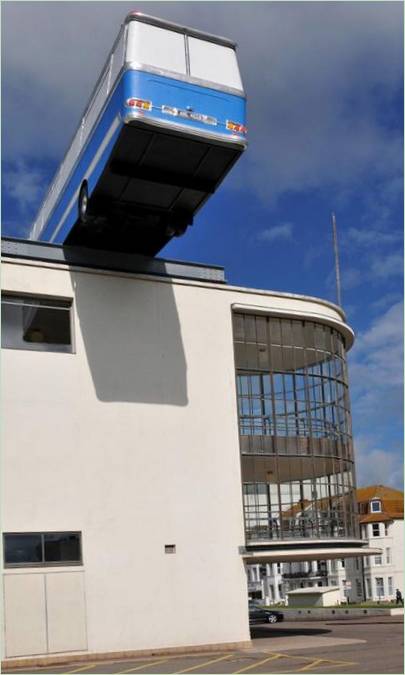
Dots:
pixel 372 509
pixel 44 563
pixel 10 297
pixel 379 587
pixel 373 530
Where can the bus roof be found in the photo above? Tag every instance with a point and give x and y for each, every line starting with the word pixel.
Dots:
pixel 179 28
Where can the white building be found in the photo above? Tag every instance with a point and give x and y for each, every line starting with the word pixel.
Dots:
pixel 373 577
pixel 123 467
pixel 381 512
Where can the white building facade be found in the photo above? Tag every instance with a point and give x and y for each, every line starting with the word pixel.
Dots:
pixel 122 475
pixel 381 511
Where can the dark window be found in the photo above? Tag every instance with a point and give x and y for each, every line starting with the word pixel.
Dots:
pixel 375 506
pixel 22 548
pixel 61 547
pixel 35 323
pixel 376 529
pixel 42 548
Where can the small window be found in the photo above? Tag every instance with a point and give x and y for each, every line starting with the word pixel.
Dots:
pixel 39 324
pixel 376 529
pixel 388 556
pixel 375 506
pixel 378 559
pixel 170 548
pixel 42 548
pixel 379 585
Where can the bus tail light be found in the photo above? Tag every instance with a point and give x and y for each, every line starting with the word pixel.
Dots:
pixel 138 103
pixel 234 126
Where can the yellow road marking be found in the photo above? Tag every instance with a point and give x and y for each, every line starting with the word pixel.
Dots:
pixel 77 670
pixel 312 664
pixel 273 657
pixel 312 659
pixel 326 663
pixel 207 663
pixel 144 665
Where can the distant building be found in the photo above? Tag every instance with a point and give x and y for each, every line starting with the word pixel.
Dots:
pixel 376 577
pixel 381 511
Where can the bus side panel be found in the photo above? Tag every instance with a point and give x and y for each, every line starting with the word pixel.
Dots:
pixel 92 162
pixel 173 99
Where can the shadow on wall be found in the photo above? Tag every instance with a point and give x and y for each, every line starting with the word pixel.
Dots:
pixel 132 338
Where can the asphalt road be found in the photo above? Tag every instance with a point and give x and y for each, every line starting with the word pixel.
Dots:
pixel 365 645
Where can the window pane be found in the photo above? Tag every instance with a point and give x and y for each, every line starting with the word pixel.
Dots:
pixel 158 47
pixel 215 63
pixel 22 548
pixel 62 546
pixel 36 323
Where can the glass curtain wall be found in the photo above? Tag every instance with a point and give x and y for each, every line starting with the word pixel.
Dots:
pixel 295 429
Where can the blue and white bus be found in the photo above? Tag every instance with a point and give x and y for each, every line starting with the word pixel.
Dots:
pixel 164 125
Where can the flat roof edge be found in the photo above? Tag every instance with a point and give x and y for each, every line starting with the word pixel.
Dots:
pixel 110 260
pixel 314 553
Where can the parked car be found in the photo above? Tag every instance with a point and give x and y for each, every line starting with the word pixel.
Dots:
pixel 258 614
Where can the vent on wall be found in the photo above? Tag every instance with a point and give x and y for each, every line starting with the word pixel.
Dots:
pixel 170 548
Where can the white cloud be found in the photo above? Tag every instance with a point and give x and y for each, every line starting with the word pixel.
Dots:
pixel 376 466
pixel 376 372
pixel 385 300
pixel 376 377
pixel 283 231
pixel 23 184
pixel 373 237
pixel 311 72
pixel 372 269
pixel 388 266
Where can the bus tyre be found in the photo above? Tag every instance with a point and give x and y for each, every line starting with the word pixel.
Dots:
pixel 180 230
pixel 83 203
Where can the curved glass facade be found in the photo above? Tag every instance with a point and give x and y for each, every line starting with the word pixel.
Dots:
pixel 295 429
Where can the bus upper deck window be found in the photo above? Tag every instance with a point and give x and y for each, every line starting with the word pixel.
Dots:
pixel 214 63
pixel 156 47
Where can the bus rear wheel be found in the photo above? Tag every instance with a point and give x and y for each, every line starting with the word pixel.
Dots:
pixel 83 203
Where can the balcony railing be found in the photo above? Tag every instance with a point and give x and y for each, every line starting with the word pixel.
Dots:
pixel 305 575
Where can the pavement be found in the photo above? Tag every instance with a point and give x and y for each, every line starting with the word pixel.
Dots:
pixel 364 645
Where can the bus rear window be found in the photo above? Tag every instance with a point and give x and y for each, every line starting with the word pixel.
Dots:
pixel 214 63
pixel 156 47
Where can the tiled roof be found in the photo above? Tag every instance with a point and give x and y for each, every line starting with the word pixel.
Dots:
pixel 379 491
pixel 375 518
pixel 392 503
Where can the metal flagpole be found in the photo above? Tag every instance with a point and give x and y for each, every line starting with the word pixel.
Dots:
pixel 337 268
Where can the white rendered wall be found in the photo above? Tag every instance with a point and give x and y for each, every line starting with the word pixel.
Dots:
pixel 394 540
pixel 133 440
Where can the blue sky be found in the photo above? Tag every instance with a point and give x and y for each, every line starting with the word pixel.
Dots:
pixel 324 82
